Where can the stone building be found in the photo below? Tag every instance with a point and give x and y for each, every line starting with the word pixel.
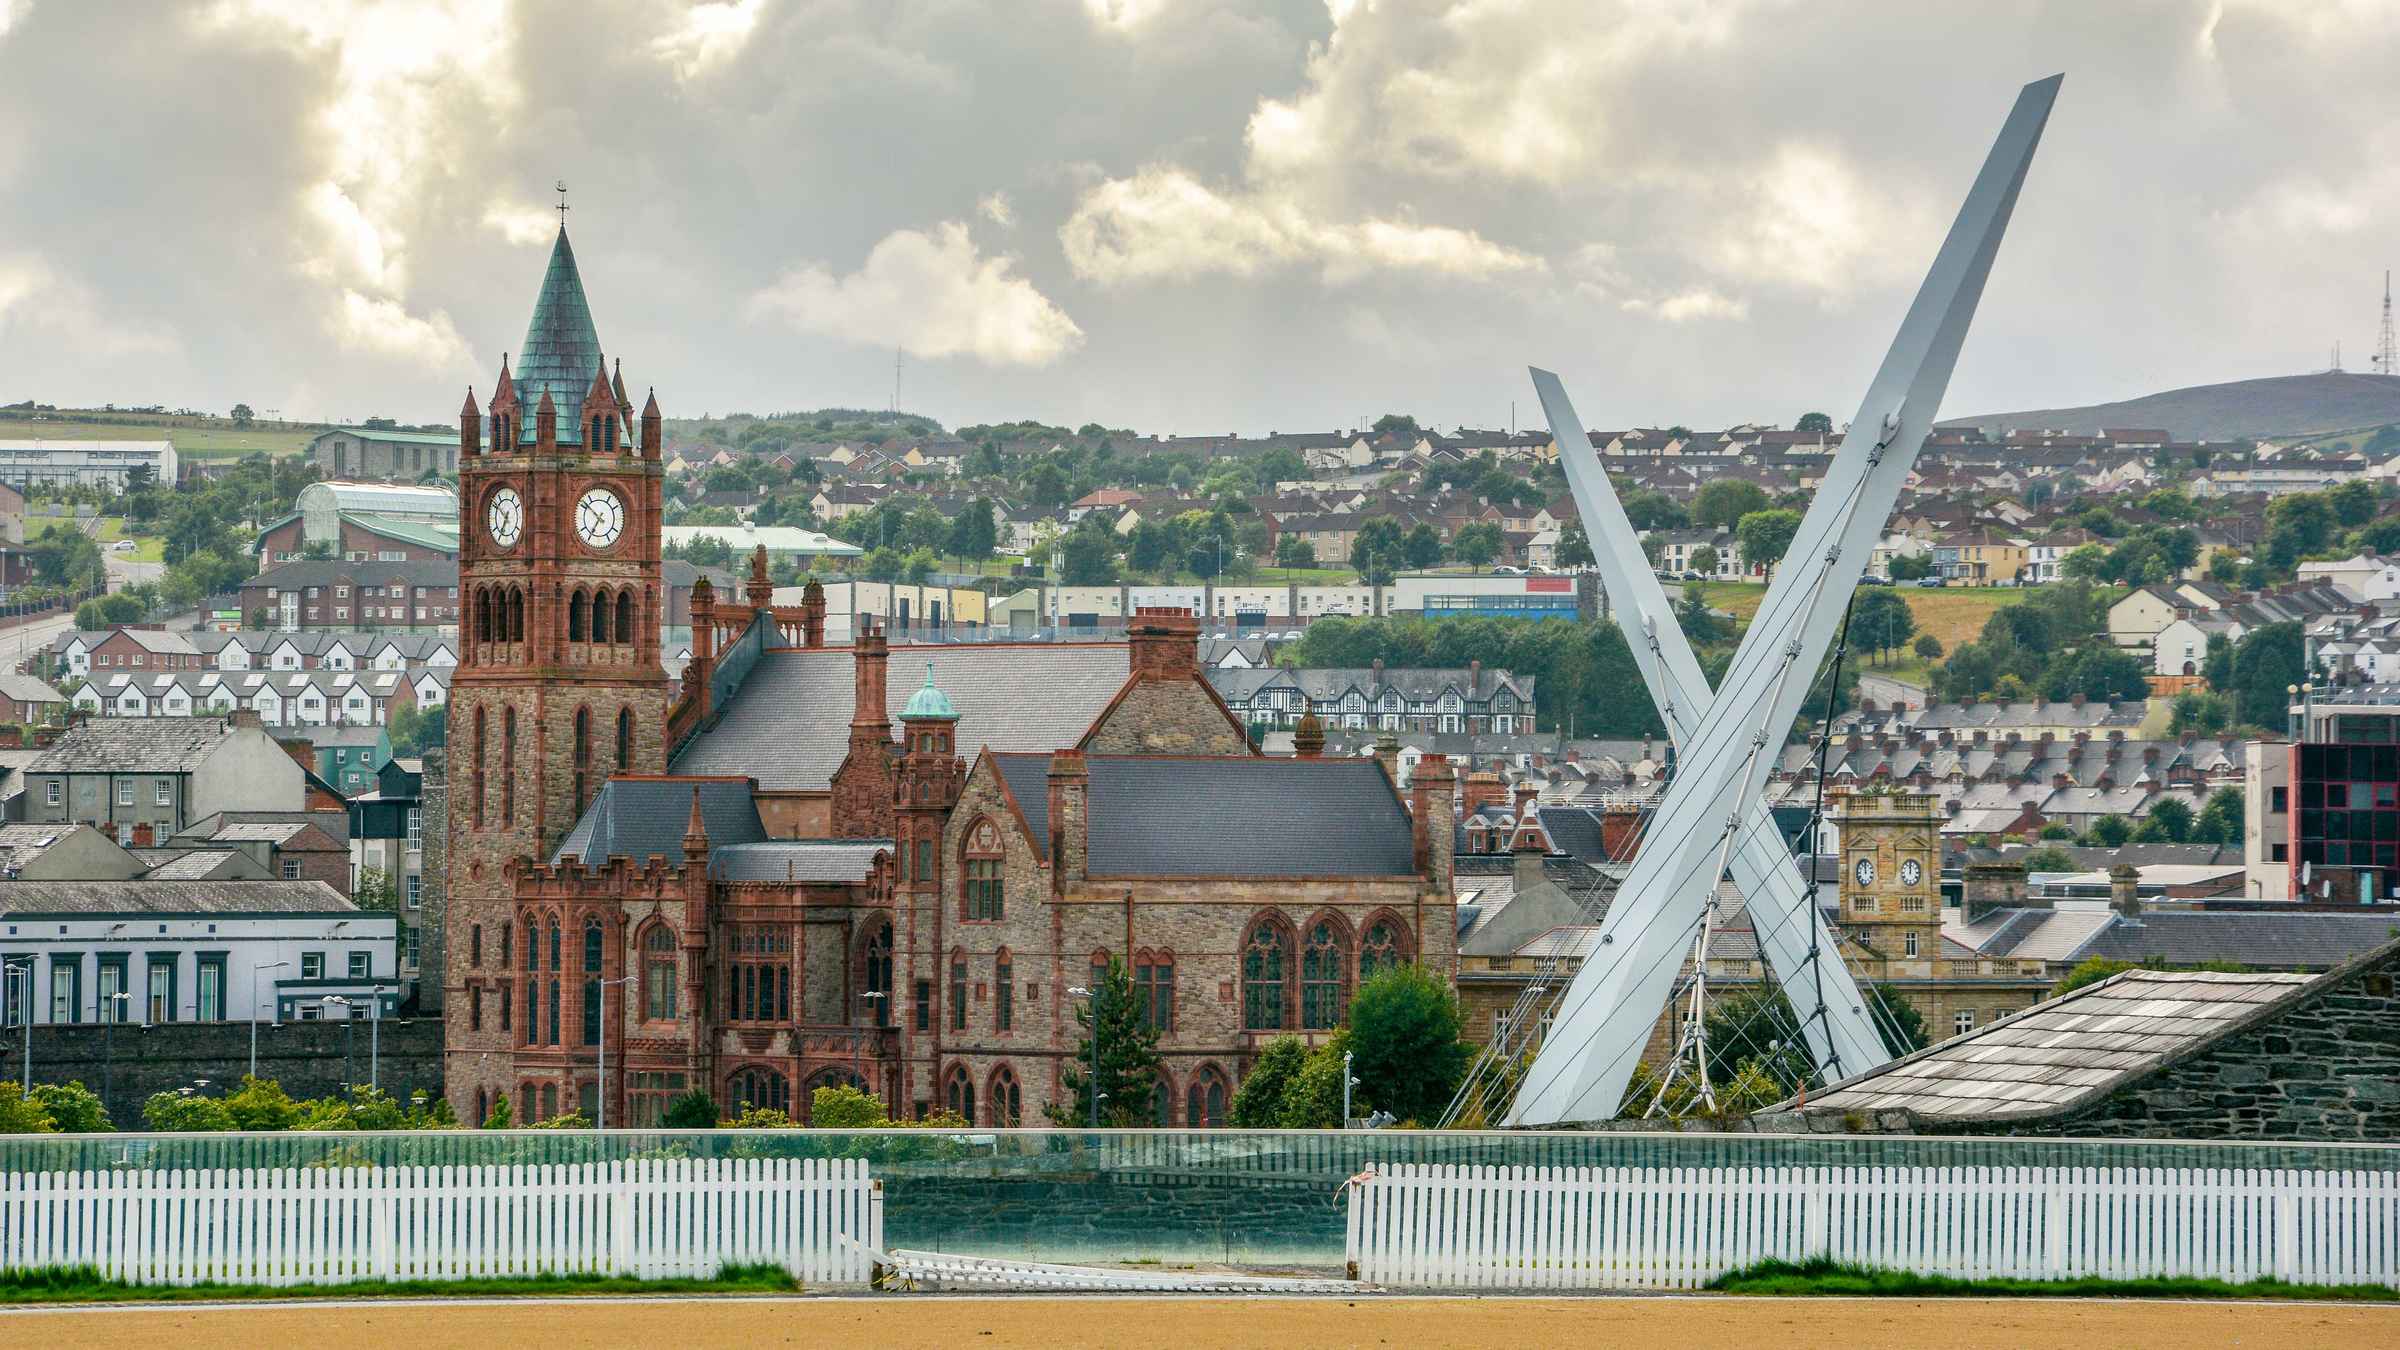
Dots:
pixel 858 863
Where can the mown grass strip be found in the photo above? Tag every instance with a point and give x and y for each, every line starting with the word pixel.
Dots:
pixel 1785 1279
pixel 83 1284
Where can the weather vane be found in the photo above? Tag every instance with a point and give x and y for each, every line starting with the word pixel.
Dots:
pixel 562 203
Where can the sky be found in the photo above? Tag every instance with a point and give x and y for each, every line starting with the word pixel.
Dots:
pixel 1177 216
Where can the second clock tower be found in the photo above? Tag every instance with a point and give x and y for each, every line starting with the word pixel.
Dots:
pixel 559 682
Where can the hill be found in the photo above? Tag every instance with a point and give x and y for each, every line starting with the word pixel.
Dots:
pixel 196 435
pixel 2282 405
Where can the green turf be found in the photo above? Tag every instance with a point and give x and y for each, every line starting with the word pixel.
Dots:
pixel 1784 1279
pixel 83 1284
pixel 195 437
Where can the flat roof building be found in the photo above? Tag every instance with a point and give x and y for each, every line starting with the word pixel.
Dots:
pixel 27 464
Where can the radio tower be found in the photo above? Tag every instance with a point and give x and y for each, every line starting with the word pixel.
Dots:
pixel 2387 352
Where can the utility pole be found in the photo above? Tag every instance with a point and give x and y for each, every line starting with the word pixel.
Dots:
pixel 1091 998
pixel 601 1120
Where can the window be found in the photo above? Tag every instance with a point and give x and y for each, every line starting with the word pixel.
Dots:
pixel 160 984
pixel 983 871
pixel 659 968
pixel 583 754
pixel 958 994
pixel 125 792
pixel 212 989
pixel 756 1089
pixel 1963 1022
pixel 508 772
pixel 959 1093
pixel 414 884
pixel 1264 959
pixel 1321 970
pixel 165 794
pixel 1380 950
pixel 312 965
pixel 1154 989
pixel 116 998
pixel 507 1004
pixel 1008 1104
pixel 290 868
pixel 416 830
pixel 878 974
pixel 925 861
pixel 1909 944
pixel 1204 1100
pixel 758 986
pixel 475 1008
pixel 505 958
pixel 1004 992
pixel 646 1097
pixel 66 987
pixel 51 792
pixel 359 965
pixel 924 1005
pixel 553 1039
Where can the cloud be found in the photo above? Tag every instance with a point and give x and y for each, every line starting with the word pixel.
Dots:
pixel 383 327
pixel 1688 305
pixel 1164 224
pixel 36 297
pixel 1125 15
pixel 521 224
pixel 931 294
pixel 994 207
pixel 13 12
pixel 712 33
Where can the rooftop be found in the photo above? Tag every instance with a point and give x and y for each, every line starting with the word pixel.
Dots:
pixel 171 897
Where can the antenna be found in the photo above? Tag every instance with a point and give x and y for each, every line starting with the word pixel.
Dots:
pixel 2337 357
pixel 896 381
pixel 2387 351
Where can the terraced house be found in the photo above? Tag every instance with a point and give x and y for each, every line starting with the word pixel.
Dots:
pixel 1460 700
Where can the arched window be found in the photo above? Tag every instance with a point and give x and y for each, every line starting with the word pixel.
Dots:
pixel 757 1089
pixel 1004 991
pixel 483 614
pixel 1008 1104
pixel 1385 947
pixel 508 766
pixel 575 609
pixel 959 1094
pixel 624 739
pixel 593 952
pixel 516 614
pixel 659 973
pixel 475 946
pixel 981 872
pixel 878 973
pixel 1266 966
pixel 625 616
pixel 1162 1101
pixel 1204 1101
pixel 1322 965
pixel 556 950
pixel 482 746
pixel 1154 989
pixel 583 754
pixel 600 617
pixel 958 996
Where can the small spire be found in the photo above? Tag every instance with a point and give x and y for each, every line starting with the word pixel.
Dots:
pixel 616 385
pixel 504 389
pixel 470 410
pixel 650 409
pixel 695 832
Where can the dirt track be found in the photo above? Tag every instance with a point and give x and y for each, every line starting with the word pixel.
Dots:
pixel 1054 1324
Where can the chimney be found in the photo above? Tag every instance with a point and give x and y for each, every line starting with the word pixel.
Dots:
pixel 2124 892
pixel 244 717
pixel 812 614
pixel 1387 754
pixel 870 713
pixel 1528 859
pixel 1620 832
pixel 1474 677
pixel 761 590
pixel 1165 643
pixel 1433 820
pixel 704 643
pixel 1990 886
pixel 1070 839
pixel 1375 685
pixel 1527 794
pixel 1308 738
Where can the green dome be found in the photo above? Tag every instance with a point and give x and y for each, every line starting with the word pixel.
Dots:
pixel 929 701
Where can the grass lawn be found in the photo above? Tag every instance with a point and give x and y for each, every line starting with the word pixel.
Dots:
pixel 86 1285
pixel 1783 1279
pixel 197 437
pixel 1954 614
pixel 146 548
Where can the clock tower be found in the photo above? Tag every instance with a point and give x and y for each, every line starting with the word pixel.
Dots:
pixel 559 682
pixel 1892 879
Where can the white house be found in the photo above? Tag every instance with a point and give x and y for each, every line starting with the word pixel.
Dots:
pixel 2365 577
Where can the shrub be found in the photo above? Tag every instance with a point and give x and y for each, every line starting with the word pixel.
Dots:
pixel 844 1107
pixel 1258 1103
pixel 73 1108
pixel 175 1112
pixel 694 1110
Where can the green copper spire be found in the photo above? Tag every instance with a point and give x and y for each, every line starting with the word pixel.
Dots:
pixel 928 701
pixel 561 352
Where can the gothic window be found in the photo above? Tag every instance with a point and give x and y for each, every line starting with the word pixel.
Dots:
pixel 624 616
pixel 594 952
pixel 555 947
pixel 508 766
pixel 1162 1101
pixel 483 614
pixel 482 745
pixel 506 943
pixel 575 610
pixel 600 617
pixel 1004 990
pixel 924 856
pixel 533 1011
pixel 758 986
pixel 659 974
pixel 959 1096
pixel 624 739
pixel 1008 1104
pixel 1383 948
pixel 475 946
pixel 1204 1101
pixel 507 1002
pixel 983 871
pixel 958 991
pixel 1321 977
pixel 583 753
pixel 1154 989
pixel 554 1040
pixel 879 973
pixel 756 1089
pixel 516 615
pixel 1265 961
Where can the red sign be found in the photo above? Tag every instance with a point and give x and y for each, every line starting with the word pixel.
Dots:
pixel 1549 585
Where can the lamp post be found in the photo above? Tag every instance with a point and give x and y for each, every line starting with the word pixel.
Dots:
pixel 22 972
pixel 271 965
pixel 338 1001
pixel 374 1034
pixel 601 1113
pixel 110 1010
pixel 874 1000
pixel 1347 1083
pixel 1091 999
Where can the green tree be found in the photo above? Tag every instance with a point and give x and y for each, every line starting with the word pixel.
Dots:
pixel 1880 621
pixel 2266 663
pixel 2168 822
pixel 2221 818
pixel 2353 503
pixel 2107 832
pixel 415 730
pixel 1295 550
pixel 185 1112
pixel 2096 672
pixel 1910 566
pixel 2085 562
pixel 1765 536
pixel 1404 1037
pixel 21 1114
pixel 693 1110
pixel 73 1108
pixel 1422 546
pixel 1650 509
pixel 1723 503
pixel 1258 1103
pixel 1902 1025
pixel 1377 550
pixel 262 1104
pixel 1477 542
pixel 1395 424
pixel 2201 713
pixel 1704 560
pixel 1089 554
pixel 1814 421
pixel 844 1107
pixel 241 414
pixel 1127 1058
pixel 974 534
pixel 499 1117
pixel 1574 547
pixel 2090 970
pixel 1928 647
pixel 2050 859
pixel 1313 1101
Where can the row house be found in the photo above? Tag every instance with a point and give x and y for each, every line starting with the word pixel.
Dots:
pixel 295 698
pixel 1980 558
pixel 143 649
pixel 1469 700
pixel 79 654
pixel 407 596
pixel 1677 550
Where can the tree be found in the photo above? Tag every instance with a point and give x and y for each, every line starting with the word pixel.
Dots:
pixel 1477 543
pixel 1650 509
pixel 1126 1060
pixel 2085 562
pixel 1313 1101
pixel 1700 625
pixel 2096 672
pixel 73 1108
pixel 2266 663
pixel 499 1117
pixel 1903 1026
pixel 1814 421
pixel 2091 970
pixel 1404 1038
pixel 1723 503
pixel 1910 566
pixel 693 1110
pixel 262 1104
pixel 974 534
pixel 1395 424
pixel 2200 713
pixel 844 1107
pixel 2168 822
pixel 21 1114
pixel 1295 550
pixel 177 1113
pixel 2221 819
pixel 1422 546
pixel 1258 1103
pixel 1574 547
pixel 1088 555
pixel 1377 550
pixel 2107 832
pixel 1282 464
pixel 1704 560
pixel 241 414
pixel 1765 536
pixel 415 730
pixel 2049 859
pixel 1928 647
pixel 1880 621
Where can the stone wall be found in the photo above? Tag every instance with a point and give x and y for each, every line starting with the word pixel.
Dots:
pixel 433 808
pixel 1167 715
pixel 311 1059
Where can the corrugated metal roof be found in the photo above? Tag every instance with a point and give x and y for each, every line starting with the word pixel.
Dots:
pixel 797 860
pixel 171 897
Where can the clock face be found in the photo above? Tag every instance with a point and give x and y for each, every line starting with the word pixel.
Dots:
pixel 1865 871
pixel 599 518
pixel 1911 871
pixel 504 518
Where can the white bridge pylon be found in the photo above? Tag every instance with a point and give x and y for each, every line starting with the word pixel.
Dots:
pixel 1620 990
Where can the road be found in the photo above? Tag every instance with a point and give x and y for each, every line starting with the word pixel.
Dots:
pixel 16 644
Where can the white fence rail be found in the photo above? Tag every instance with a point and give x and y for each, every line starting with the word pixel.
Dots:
pixel 1680 1227
pixel 281 1226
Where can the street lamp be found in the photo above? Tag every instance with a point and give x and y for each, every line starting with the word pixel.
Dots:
pixel 601 1120
pixel 348 1030
pixel 374 1033
pixel 271 965
pixel 1347 1083
pixel 109 1017
pixel 1092 999
pixel 874 1000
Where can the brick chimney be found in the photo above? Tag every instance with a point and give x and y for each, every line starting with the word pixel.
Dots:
pixel 1620 831
pixel 870 713
pixel 1433 819
pixel 2124 891
pixel 1387 754
pixel 1165 644
pixel 812 614
pixel 1308 738
pixel 1527 856
pixel 1070 836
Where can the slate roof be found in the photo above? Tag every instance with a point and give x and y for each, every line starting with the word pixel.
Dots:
pixel 561 352
pixel 2057 1053
pixel 133 745
pixel 171 897
pixel 20 844
pixel 2314 939
pixel 192 866
pixel 637 817
pixel 788 725
pixel 1163 815
pixel 293 576
pixel 823 860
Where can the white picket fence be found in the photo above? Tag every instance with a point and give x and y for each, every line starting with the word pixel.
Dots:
pixel 1680 1227
pixel 333 1225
